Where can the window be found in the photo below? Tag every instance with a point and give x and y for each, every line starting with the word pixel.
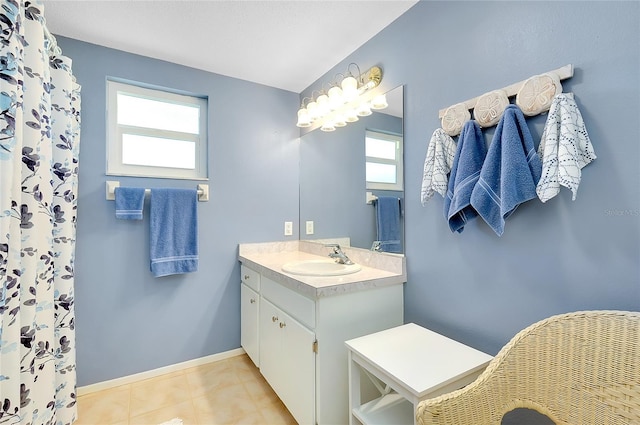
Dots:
pixel 155 133
pixel 383 160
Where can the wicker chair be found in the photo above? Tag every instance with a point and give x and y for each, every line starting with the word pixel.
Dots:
pixel 575 368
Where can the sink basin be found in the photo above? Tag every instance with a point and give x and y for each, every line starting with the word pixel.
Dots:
pixel 320 268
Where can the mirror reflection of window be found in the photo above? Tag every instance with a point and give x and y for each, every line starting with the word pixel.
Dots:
pixel 383 153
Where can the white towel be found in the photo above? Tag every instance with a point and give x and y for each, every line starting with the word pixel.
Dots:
pixel 437 165
pixel 565 148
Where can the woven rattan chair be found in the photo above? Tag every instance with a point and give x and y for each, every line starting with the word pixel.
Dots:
pixel 578 368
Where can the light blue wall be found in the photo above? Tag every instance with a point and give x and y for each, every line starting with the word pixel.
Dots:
pixel 554 257
pixel 127 321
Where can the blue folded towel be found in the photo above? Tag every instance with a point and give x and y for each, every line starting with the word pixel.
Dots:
pixel 129 203
pixel 465 171
pixel 388 223
pixel 510 173
pixel 173 231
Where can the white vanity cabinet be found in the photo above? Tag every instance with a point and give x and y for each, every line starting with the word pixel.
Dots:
pixel 301 332
pixel 249 313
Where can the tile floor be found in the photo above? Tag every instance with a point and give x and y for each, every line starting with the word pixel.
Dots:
pixel 230 391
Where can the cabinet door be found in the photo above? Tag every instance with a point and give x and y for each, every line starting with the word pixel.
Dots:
pixel 249 309
pixel 270 345
pixel 299 368
pixel 287 361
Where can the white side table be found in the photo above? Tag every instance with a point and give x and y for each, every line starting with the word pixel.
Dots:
pixel 413 364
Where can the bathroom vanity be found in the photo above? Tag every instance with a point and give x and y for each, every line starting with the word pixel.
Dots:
pixel 294 326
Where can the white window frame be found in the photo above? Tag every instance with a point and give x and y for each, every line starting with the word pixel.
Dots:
pixel 398 162
pixel 115 166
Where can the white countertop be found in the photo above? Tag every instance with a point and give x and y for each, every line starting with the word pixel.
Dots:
pixel 268 259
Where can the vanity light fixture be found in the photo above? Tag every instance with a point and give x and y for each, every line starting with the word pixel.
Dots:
pixel 344 102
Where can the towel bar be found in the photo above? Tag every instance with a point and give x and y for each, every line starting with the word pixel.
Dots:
pixel 203 191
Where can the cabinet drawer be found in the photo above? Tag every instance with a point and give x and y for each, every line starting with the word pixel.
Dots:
pixel 296 305
pixel 250 277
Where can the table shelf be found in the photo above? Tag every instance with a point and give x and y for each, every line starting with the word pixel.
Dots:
pixel 388 409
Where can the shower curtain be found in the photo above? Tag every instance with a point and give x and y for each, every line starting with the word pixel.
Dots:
pixel 39 137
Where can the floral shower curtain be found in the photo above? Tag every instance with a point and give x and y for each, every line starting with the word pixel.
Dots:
pixel 39 138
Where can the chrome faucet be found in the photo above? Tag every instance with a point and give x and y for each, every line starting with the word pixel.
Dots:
pixel 337 253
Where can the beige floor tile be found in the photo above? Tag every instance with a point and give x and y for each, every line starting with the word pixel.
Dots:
pixel 244 368
pixel 261 392
pixel 214 376
pixel 242 361
pixel 244 418
pixel 229 406
pixel 227 392
pixel 106 407
pixel 153 394
pixel 277 414
pixel 184 411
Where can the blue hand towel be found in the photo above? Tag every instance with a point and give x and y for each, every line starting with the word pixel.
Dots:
pixel 510 173
pixel 465 171
pixel 388 223
pixel 173 231
pixel 129 203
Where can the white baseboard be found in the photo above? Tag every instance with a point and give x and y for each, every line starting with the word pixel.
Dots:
pixel 105 385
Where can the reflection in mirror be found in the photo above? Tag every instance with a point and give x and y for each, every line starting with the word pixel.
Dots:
pixel 333 182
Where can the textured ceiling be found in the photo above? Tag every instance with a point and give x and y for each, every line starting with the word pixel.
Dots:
pixel 283 44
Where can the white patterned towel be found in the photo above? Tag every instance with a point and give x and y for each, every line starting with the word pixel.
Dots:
pixel 437 165
pixel 565 148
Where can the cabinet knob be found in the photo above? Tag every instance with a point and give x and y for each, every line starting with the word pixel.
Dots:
pixel 274 319
pixel 282 325
pixel 246 277
pixel 253 300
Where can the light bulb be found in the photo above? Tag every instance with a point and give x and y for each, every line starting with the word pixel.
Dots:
pixel 351 116
pixel 339 120
pixel 370 84
pixel 323 104
pixel 327 126
pixel 312 108
pixel 335 97
pixel 349 88
pixel 379 102
pixel 364 109
pixel 304 120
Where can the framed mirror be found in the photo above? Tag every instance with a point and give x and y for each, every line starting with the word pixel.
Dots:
pixel 333 177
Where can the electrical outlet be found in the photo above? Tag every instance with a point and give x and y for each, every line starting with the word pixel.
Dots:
pixel 309 227
pixel 288 228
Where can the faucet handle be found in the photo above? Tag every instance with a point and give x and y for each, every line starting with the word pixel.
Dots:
pixel 335 246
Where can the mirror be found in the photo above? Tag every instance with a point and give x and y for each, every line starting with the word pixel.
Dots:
pixel 332 178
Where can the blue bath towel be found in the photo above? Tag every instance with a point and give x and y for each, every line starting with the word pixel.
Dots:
pixel 510 173
pixel 129 203
pixel 173 231
pixel 388 223
pixel 465 171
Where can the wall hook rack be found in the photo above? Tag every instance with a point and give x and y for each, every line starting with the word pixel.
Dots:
pixel 563 73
